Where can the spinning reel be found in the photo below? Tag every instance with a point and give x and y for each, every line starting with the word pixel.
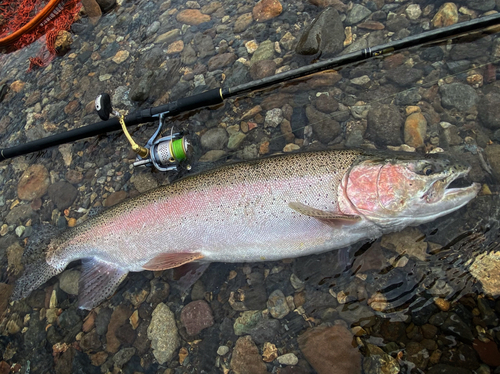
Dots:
pixel 165 154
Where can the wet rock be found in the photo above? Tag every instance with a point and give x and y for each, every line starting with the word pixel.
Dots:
pixel 462 356
pixel 357 14
pixel 14 257
pixel 487 351
pixel 324 127
pixel 120 56
pixel 93 10
pixel 242 22
pixel 219 61
pixel 235 140
pixel 447 369
pixel 489 110
pixel 266 330
pixel 192 17
pixel 74 176
pixel 215 138
pixel 288 359
pixel 330 347
pixel 277 304
pixel 115 198
pixel 273 117
pixel 265 51
pixel 406 242
pixel 246 322
pixel 159 291
pixel 408 97
pixel 384 124
pixel 106 4
pixel 68 281
pixel 196 316
pixel 417 354
pixel 262 69
pixel 119 317
pixel 405 76
pixel 19 214
pixel 377 361
pixel 325 34
pixel 123 356
pixel 397 23
pixel 413 11
pixel 62 194
pixel 33 183
pixel 90 342
pixel 447 15
pixel 481 5
pixel 265 10
pixel 486 266
pixel 488 315
pixel 455 325
pixel 326 104
pixel 458 95
pixel 162 332
pixel 246 358
pixel 5 292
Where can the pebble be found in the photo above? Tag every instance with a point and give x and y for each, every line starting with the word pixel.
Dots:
pixel 162 332
pixel 384 124
pixel 288 359
pixel 223 350
pixel 192 17
pixel 357 14
pixel 120 56
pixel 68 281
pixel 33 183
pixel 413 11
pixel 458 95
pixel 327 347
pixel 242 23
pixel 324 127
pixel 246 358
pixel 62 194
pixel 489 110
pixel 265 10
pixel 196 316
pixel 447 15
pixel 273 117
pixel 215 138
pixel 415 130
pixel 118 318
pixel 277 304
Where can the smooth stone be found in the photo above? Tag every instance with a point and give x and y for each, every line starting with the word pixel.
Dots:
pixel 357 14
pixel 215 138
pixel 415 130
pixel 197 316
pixel 458 95
pixel 33 183
pixel 162 332
pixel 323 125
pixel 277 304
pixel 68 281
pixel 192 17
pixel 246 358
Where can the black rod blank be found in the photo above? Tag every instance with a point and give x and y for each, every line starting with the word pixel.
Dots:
pixel 217 95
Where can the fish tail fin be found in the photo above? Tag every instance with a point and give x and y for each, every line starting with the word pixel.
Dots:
pixel 36 269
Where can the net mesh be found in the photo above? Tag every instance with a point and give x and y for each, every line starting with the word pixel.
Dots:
pixel 16 14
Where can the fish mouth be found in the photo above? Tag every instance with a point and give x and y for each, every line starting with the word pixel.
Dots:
pixel 453 187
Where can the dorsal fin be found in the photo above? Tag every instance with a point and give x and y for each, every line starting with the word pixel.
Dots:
pixel 99 279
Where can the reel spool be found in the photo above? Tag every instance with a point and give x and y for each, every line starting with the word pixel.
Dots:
pixel 165 154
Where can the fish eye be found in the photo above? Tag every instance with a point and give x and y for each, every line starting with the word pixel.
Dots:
pixel 428 170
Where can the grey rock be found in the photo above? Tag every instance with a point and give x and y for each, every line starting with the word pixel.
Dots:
pixel 215 138
pixel 489 110
pixel 458 66
pixel 455 325
pixel 408 97
pixel 273 117
pixel 458 95
pixel 102 321
pixel 219 61
pixel 357 14
pixel 19 214
pixel 324 126
pixel 159 291
pixel 481 5
pixel 62 194
pixel 140 88
pixel 405 76
pixel 358 45
pixel 68 281
pixel 123 356
pixel 325 34
pixel 384 124
pixel 397 23
pixel 162 332
pixel 265 51
pixel 188 55
pixel 266 330
pixel 277 304
pixel 204 44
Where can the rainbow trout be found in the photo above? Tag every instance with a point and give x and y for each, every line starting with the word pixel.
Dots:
pixel 274 208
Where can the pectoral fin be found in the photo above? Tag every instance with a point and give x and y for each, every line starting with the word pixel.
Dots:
pixel 165 261
pixel 330 218
pixel 99 279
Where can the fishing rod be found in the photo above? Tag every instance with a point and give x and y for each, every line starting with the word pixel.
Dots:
pixel 175 148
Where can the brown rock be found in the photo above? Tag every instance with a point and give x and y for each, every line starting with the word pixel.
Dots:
pixel 175 47
pixel 286 130
pixel 276 101
pixel 98 358
pixel 5 292
pixel 211 7
pixel 197 316
pixel 326 104
pixel 329 350
pixel 486 269
pixel 115 198
pixel 262 69
pixel 242 22
pixel 220 61
pixel 74 176
pixel 14 256
pixel 120 315
pixel 72 107
pixel 488 352
pixel 264 148
pixel 265 10
pixel 393 61
pixel 93 10
pixel 371 25
pixel 33 183
pixel 337 4
pixel 4 368
pixel 17 86
pixel 447 15
pixel 246 358
pixel 415 130
pixel 192 17
pixel 63 41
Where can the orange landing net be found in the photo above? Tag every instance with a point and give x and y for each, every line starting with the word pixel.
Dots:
pixel 24 21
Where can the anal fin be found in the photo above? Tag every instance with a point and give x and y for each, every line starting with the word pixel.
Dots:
pixel 165 261
pixel 99 279
pixel 331 218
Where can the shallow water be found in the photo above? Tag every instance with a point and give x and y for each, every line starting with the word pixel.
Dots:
pixel 422 300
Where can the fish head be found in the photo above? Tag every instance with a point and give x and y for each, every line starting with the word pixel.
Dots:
pixel 398 192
